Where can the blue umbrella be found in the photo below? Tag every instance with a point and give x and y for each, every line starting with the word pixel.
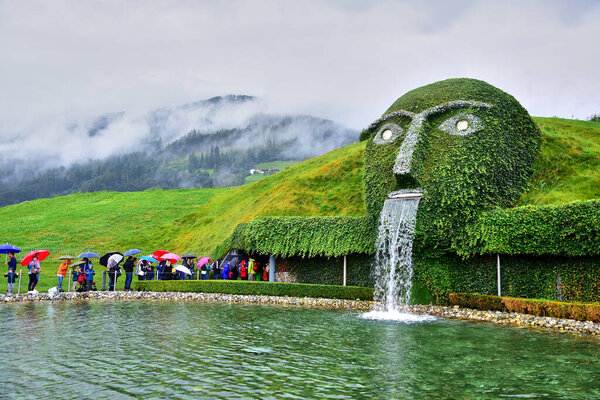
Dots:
pixel 148 258
pixel 88 254
pixel 7 248
pixel 132 252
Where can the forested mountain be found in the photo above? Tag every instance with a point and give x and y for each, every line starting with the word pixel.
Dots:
pixel 230 135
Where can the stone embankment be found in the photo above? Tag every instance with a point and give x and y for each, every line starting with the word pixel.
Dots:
pixel 524 320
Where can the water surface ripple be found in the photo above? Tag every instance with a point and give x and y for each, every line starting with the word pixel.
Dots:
pixel 128 350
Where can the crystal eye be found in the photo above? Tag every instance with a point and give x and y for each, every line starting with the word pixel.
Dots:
pixel 387 134
pixel 462 125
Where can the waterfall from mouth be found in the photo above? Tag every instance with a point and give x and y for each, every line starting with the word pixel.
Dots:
pixel 393 270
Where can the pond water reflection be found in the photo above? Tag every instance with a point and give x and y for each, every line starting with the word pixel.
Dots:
pixel 139 349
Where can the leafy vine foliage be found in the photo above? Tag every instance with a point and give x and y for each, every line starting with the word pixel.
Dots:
pixel 470 180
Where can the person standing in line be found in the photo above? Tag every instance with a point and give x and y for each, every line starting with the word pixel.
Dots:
pixel 128 266
pixel 216 269
pixel 34 273
pixel 258 270
pixel 62 273
pixel 139 270
pixel 149 269
pixel 114 270
pixel 89 278
pixel 251 271
pixel 12 273
pixel 160 270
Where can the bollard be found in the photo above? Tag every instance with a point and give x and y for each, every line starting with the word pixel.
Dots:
pixel 115 283
pixel 345 271
pixel 103 280
pixel 499 275
pixel 20 273
pixel 69 283
pixel 272 268
pixel 197 275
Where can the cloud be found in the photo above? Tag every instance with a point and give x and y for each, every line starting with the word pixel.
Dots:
pixel 345 60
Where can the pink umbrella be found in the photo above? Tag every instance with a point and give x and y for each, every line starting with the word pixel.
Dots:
pixel 40 254
pixel 202 261
pixel 170 256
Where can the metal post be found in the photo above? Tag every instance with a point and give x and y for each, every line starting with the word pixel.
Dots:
pixel 197 275
pixel 272 268
pixel 20 273
pixel 69 283
pixel 499 275
pixel 115 283
pixel 345 271
pixel 103 280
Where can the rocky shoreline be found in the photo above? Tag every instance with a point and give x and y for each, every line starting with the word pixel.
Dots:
pixel 456 312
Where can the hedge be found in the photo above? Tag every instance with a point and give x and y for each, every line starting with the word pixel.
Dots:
pixel 542 308
pixel 548 277
pixel 306 236
pixel 567 229
pixel 258 288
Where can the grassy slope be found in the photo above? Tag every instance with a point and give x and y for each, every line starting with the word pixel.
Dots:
pixel 200 220
pixel 188 219
pixel 568 166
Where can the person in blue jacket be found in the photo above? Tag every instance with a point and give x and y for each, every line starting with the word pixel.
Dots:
pixel 12 273
pixel 89 278
pixel 225 273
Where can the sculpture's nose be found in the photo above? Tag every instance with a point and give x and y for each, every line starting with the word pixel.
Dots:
pixel 404 160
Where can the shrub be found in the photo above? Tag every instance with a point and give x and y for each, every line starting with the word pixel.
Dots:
pixel 258 288
pixel 542 308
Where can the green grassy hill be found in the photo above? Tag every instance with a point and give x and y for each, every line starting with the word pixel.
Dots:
pixel 200 220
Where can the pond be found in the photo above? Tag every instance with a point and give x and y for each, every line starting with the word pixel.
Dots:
pixel 143 349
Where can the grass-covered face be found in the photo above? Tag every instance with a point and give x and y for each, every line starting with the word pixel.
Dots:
pixel 466 144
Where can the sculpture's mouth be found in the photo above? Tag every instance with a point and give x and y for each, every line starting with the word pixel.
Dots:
pixel 406 194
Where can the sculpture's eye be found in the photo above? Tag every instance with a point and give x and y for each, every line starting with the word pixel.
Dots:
pixel 461 125
pixel 388 133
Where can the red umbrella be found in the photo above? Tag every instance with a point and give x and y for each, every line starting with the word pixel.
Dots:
pixel 170 256
pixel 40 254
pixel 159 253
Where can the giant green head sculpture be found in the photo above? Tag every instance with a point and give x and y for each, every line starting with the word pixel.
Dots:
pixel 466 144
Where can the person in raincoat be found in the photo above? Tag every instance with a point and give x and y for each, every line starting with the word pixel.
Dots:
pixel 251 271
pixel 225 273
pixel 62 273
pixel 34 273
pixel 243 270
pixel 89 279
pixel 12 272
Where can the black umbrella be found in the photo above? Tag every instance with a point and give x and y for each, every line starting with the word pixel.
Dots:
pixel 104 258
pixel 188 255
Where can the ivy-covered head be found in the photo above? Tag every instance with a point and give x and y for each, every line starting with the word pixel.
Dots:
pixel 465 143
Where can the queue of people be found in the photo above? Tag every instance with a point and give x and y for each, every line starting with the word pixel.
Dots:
pixel 161 265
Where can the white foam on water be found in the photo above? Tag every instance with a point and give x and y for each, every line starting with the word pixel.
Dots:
pixel 397 316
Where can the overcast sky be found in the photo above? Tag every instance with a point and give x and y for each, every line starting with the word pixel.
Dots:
pixel 345 60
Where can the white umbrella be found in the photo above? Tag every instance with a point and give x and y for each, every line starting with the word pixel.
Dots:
pixel 183 269
pixel 114 259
